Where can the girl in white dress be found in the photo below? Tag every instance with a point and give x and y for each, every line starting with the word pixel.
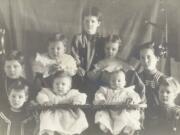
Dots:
pixel 117 121
pixel 62 121
pixel 56 58
pixel 111 61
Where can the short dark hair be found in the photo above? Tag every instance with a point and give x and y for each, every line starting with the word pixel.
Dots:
pixel 92 11
pixel 15 55
pixel 159 50
pixel 17 86
pixel 58 37
pixel 113 38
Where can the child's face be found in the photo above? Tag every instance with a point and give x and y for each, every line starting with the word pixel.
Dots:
pixel 17 99
pixel 13 69
pixel 91 24
pixel 118 80
pixel 56 49
pixel 166 95
pixel 148 59
pixel 61 85
pixel 111 49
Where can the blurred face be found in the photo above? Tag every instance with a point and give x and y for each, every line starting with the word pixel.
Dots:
pixel 17 99
pixel 148 59
pixel 118 80
pixel 13 69
pixel 56 49
pixel 62 85
pixel 111 49
pixel 166 95
pixel 91 24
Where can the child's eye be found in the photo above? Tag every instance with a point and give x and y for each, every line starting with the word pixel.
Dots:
pixel 15 66
pixel 167 92
pixel 20 97
pixel 148 57
pixel 92 21
pixel 57 48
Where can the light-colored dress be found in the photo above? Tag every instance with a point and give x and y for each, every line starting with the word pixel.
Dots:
pixel 44 64
pixel 116 120
pixel 104 67
pixel 111 64
pixel 63 121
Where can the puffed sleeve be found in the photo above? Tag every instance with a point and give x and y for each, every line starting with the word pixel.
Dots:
pixel 68 64
pixel 100 95
pixel 42 96
pixel 80 98
pixel 131 93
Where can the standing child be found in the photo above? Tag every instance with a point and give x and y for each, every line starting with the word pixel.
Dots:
pixel 15 119
pixel 14 70
pixel 149 56
pixel 62 121
pixel 87 47
pixel 54 60
pixel 117 121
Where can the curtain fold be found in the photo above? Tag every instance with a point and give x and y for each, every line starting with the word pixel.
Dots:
pixel 29 23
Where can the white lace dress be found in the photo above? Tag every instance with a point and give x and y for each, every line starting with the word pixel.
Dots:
pixel 116 120
pixel 63 121
pixel 44 64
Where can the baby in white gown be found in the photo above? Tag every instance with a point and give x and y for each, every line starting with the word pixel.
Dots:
pixel 117 121
pixel 63 121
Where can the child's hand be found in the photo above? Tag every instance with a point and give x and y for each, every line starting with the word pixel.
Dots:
pixel 59 67
pixel 81 72
pixel 55 67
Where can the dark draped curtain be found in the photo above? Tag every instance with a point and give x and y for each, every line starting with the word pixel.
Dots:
pixel 29 23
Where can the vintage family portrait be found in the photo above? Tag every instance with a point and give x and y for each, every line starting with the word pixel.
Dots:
pixel 89 67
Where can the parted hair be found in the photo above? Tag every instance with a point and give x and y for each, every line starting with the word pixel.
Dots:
pixel 58 37
pixel 19 85
pixel 15 55
pixel 92 11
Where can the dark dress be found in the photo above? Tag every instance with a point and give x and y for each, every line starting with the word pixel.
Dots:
pixel 169 123
pixel 16 123
pixel 151 81
pixel 87 50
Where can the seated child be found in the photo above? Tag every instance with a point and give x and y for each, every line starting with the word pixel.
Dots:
pixel 15 119
pixel 14 70
pixel 47 64
pixel 117 121
pixel 62 121
pixel 111 61
pixel 169 112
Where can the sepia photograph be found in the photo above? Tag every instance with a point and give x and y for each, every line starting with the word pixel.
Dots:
pixel 89 67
